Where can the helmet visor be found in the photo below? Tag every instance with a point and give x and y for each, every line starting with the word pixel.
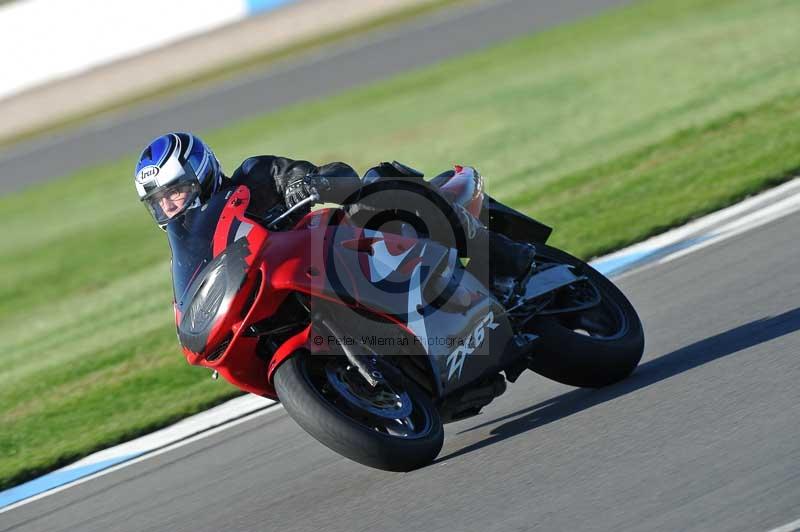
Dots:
pixel 170 201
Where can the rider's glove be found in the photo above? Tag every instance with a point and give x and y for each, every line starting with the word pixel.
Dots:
pixel 301 188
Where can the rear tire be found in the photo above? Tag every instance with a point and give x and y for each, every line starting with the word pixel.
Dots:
pixel 577 359
pixel 318 416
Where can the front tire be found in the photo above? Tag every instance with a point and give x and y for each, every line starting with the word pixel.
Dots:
pixel 314 398
pixel 567 353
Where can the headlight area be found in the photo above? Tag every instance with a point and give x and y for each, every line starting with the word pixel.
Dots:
pixel 208 318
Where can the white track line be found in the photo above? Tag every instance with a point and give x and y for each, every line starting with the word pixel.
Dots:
pixel 196 424
pixel 706 223
pixel 788 527
pixel 146 456
pixel 746 223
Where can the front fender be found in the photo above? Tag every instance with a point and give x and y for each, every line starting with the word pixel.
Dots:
pixel 299 341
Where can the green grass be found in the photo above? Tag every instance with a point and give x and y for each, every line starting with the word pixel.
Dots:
pixel 691 173
pixel 611 129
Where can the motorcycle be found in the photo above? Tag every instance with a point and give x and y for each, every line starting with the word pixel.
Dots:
pixel 374 333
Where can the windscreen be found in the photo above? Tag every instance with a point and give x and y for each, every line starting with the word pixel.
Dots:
pixel 191 239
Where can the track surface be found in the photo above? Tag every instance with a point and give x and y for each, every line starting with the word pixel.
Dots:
pixel 447 34
pixel 704 436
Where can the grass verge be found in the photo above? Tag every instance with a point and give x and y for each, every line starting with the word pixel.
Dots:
pixel 611 129
pixel 240 67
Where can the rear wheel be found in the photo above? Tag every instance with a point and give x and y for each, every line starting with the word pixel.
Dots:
pixel 593 345
pixel 393 426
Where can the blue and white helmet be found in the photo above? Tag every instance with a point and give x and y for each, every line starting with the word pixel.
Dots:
pixel 176 172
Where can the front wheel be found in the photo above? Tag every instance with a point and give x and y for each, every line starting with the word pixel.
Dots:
pixel 394 426
pixel 590 347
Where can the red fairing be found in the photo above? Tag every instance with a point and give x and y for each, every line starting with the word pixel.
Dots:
pixel 238 363
pixel 235 210
pixel 278 264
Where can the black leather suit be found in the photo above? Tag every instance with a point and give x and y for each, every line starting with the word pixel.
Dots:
pixel 268 177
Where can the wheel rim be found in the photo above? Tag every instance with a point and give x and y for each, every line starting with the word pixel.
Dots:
pixel 604 321
pixel 387 408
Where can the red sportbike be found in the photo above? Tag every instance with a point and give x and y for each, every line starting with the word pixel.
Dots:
pixel 374 333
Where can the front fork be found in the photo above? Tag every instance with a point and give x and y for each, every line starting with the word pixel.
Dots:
pixel 365 362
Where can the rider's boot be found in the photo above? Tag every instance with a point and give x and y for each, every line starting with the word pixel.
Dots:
pixel 502 263
pixel 513 263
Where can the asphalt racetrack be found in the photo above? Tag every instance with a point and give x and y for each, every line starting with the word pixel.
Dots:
pixel 447 34
pixel 703 436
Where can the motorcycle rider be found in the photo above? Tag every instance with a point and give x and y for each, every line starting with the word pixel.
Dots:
pixel 177 172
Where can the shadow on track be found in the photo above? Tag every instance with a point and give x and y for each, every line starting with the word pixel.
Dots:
pixel 659 369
